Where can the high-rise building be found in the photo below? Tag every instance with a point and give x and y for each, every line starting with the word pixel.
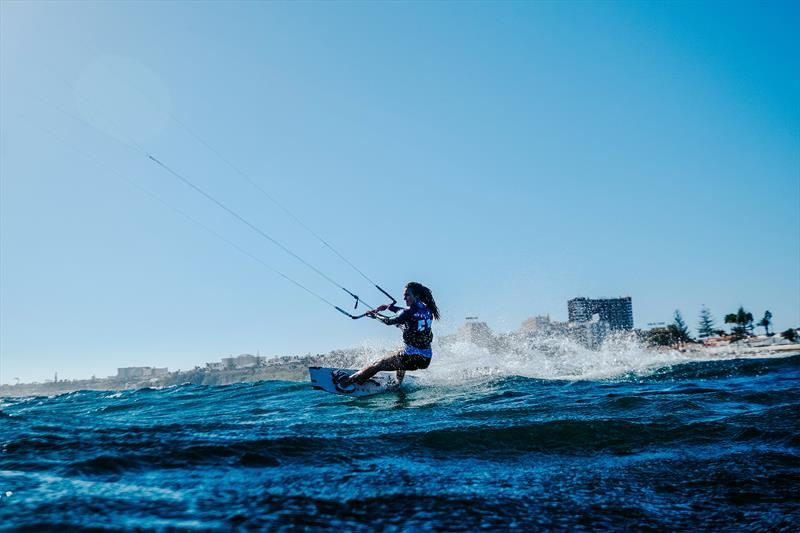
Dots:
pixel 617 312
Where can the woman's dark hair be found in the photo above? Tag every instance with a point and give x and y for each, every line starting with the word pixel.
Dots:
pixel 423 294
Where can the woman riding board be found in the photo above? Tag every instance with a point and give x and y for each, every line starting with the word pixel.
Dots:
pixel 415 321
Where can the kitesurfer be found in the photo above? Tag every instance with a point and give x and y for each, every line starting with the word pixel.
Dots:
pixel 415 321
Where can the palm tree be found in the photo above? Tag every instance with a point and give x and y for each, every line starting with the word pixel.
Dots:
pixel 765 322
pixel 743 321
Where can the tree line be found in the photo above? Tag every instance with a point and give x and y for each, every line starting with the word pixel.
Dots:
pixel 742 326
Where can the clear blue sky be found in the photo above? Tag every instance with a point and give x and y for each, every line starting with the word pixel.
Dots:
pixel 509 155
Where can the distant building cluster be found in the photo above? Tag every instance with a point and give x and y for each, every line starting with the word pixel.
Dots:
pixel 247 360
pixel 244 360
pixel 590 333
pixel 590 322
pixel 141 372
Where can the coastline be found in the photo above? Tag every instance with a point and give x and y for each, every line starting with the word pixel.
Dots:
pixel 292 371
pixel 297 370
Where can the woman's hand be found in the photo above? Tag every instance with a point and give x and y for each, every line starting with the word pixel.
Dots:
pixel 383 307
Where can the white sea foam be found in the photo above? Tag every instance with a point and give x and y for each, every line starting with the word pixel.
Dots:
pixel 552 358
pixel 545 358
pixel 564 359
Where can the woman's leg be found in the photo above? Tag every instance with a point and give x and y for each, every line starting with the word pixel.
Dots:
pixel 391 362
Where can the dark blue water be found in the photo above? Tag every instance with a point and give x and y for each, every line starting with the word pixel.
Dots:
pixel 712 445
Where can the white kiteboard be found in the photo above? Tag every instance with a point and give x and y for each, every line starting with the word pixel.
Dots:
pixel 325 379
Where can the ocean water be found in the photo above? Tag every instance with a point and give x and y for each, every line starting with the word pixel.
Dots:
pixel 620 439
